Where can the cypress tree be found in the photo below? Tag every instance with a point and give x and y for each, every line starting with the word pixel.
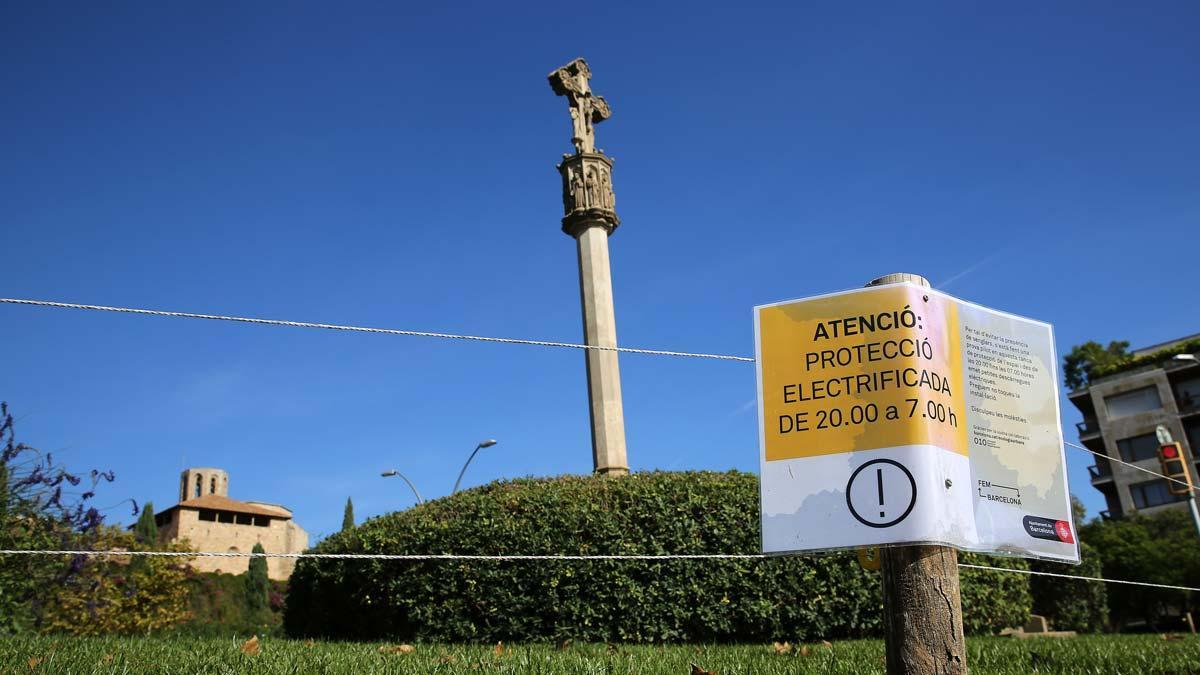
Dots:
pixel 256 580
pixel 348 515
pixel 146 530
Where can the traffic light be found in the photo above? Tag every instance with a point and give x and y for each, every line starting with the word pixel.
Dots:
pixel 1170 457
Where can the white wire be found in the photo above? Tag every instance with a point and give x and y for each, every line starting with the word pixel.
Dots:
pixel 1072 576
pixel 1134 466
pixel 478 338
pixel 482 558
pixel 363 329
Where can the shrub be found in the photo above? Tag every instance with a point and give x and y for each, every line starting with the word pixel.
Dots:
pixel 993 600
pixel 787 597
pixel 1069 604
pixel 113 596
pixel 218 607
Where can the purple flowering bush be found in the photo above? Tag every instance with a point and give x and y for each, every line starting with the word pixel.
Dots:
pixel 43 506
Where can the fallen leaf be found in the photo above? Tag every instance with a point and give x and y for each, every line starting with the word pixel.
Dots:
pixel 783 648
pixel 697 670
pixel 803 650
pixel 309 643
pixel 447 658
pixel 250 647
pixel 1171 636
pixel 397 649
pixel 108 658
pixel 33 662
pixel 564 645
pixel 499 649
pixel 827 644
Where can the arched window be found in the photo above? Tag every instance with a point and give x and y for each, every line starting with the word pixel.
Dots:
pixel 199 484
pixel 212 485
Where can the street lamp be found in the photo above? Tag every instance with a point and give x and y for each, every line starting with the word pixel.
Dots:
pixel 392 472
pixel 485 444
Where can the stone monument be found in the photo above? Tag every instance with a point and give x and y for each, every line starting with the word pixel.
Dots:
pixel 589 215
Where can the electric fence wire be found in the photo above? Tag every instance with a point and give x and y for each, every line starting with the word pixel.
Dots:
pixel 366 329
pixel 478 338
pixel 418 557
pixel 453 336
pixel 1133 466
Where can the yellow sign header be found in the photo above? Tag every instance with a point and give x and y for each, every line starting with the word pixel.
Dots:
pixel 875 368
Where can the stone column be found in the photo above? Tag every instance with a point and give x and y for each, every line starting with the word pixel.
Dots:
pixel 590 218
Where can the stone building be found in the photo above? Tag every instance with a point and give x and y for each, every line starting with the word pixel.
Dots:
pixel 1121 412
pixel 208 520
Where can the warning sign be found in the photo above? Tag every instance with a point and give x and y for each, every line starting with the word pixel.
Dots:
pixel 897 414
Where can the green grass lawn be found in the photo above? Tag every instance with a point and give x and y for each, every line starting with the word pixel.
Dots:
pixel 1088 654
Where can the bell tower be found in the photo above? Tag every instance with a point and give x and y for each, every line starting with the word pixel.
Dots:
pixel 199 481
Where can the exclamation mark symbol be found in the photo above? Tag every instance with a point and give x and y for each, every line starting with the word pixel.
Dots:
pixel 879 483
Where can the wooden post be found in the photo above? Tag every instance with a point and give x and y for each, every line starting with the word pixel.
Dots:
pixel 923 630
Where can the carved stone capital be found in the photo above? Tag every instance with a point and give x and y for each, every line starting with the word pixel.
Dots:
pixel 588 198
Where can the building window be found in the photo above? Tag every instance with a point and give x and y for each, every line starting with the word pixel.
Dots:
pixel 1138 448
pixel 208 514
pixel 262 521
pixel 1133 402
pixel 225 516
pixel 1153 493
pixel 199 484
pixel 1192 430
pixel 244 519
pixel 212 485
pixel 163 519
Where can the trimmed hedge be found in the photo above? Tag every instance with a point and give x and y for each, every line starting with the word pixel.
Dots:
pixel 1071 604
pixel 792 598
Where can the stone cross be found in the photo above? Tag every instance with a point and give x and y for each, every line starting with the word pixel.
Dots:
pixel 589 216
pixel 586 108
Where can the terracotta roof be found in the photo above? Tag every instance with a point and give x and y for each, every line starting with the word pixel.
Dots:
pixel 220 503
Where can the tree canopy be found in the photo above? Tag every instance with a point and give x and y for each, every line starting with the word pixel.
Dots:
pixel 1084 359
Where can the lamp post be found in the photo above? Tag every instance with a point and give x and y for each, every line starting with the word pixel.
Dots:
pixel 484 444
pixel 392 472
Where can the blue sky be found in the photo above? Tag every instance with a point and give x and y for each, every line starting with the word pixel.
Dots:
pixel 389 165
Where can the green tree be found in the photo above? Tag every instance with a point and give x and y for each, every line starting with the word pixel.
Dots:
pixel 257 584
pixel 1084 358
pixel 348 515
pixel 146 530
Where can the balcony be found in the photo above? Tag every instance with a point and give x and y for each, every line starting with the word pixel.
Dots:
pixel 1100 472
pixel 1188 405
pixel 1088 428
